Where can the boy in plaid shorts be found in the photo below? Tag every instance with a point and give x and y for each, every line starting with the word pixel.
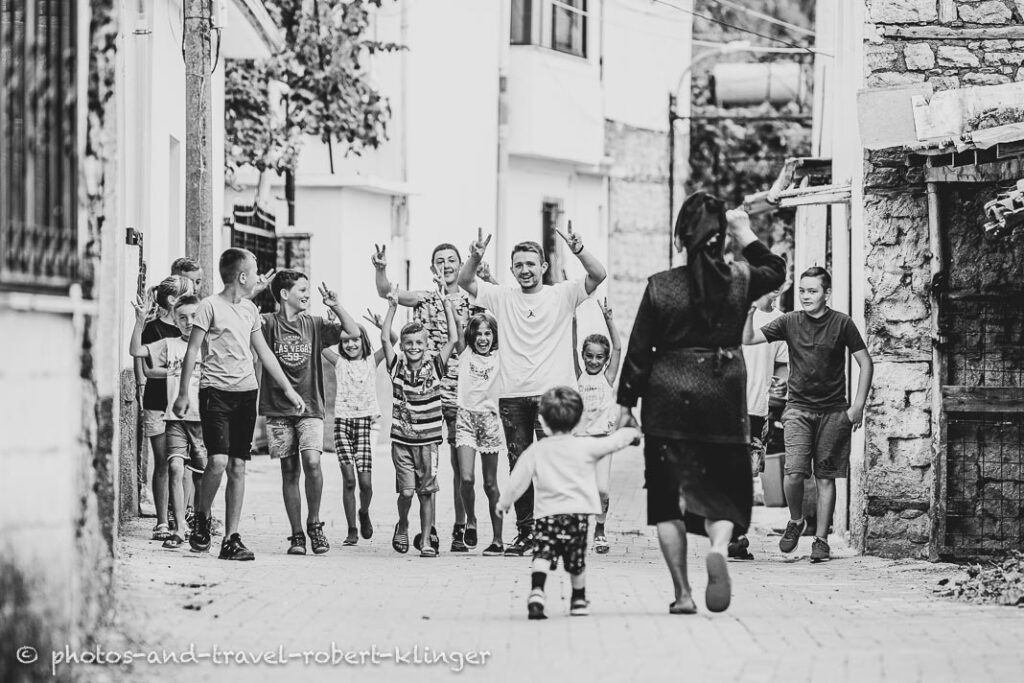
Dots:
pixel 563 470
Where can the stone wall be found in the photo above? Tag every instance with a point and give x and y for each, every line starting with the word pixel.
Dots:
pixel 899 472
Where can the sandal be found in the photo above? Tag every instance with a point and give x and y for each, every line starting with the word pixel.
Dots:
pixel 435 542
pixel 161 532
pixel 400 542
pixel 718 594
pixel 352 538
pixel 684 608
pixel 601 544
pixel 417 541
pixel 365 527
pixel 428 552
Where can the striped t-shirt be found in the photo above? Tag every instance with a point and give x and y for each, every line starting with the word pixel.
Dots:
pixel 416 408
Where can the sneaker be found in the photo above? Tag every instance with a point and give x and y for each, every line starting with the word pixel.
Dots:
pixel 233 549
pixel 579 607
pixel 458 539
pixel 601 544
pixel 470 537
pixel 738 549
pixel 199 539
pixel 791 536
pixel 161 532
pixel 317 540
pixel 820 552
pixel 535 605
pixel 494 550
pixel 298 544
pixel 520 546
pixel 174 542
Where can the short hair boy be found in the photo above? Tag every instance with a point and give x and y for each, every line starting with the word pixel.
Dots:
pixel 225 333
pixel 563 471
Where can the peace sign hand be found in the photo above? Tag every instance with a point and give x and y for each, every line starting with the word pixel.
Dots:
pixel 442 287
pixel 263 281
pixel 479 245
pixel 330 296
pixel 374 319
pixel 605 310
pixel 379 260
pixel 572 239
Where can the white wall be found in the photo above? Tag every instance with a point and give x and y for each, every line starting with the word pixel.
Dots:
pixel 646 49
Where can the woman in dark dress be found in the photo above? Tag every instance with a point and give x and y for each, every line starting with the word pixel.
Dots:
pixel 684 361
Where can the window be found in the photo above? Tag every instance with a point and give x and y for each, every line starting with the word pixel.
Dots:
pixel 569 26
pixel 38 189
pixel 550 211
pixel 254 229
pixel 522 20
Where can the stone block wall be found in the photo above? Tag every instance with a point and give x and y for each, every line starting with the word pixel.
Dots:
pixel 899 473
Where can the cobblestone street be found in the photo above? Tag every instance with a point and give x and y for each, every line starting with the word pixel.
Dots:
pixel 854 619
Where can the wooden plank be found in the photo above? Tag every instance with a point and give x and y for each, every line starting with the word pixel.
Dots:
pixel 1011 169
pixel 947 33
pixel 964 399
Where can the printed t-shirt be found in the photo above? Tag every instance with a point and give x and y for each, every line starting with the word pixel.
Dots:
pixel 155 395
pixel 169 353
pixel 357 387
pixel 297 343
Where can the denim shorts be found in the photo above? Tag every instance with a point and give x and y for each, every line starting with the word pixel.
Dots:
pixel 817 442
pixel 290 435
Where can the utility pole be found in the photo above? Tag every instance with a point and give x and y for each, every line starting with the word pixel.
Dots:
pixel 198 143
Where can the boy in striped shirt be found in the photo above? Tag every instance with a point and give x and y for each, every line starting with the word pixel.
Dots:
pixel 416 380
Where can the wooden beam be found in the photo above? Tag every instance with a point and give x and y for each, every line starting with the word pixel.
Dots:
pixel 947 33
pixel 1011 169
pixel 964 399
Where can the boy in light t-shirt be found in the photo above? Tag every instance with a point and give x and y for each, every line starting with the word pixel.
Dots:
pixel 536 327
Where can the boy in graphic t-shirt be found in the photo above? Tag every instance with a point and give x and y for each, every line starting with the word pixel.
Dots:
pixel 818 419
pixel 225 332
pixel 297 339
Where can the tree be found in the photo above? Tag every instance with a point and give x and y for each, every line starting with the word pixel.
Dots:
pixel 316 85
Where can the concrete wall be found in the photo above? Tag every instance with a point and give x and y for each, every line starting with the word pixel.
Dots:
pixel 898 468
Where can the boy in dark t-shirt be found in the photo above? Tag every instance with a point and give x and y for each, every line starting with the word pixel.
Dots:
pixel 818 420
pixel 297 340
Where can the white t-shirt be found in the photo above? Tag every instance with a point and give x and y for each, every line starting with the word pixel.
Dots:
pixel 478 381
pixel 536 334
pixel 168 353
pixel 563 470
pixel 357 388
pixel 761 360
pixel 227 353
pixel 600 412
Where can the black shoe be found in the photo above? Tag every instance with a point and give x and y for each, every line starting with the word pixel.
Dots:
pixel 791 536
pixel 470 537
pixel 232 548
pixel 458 539
pixel 365 526
pixel 199 539
pixel 520 546
pixel 738 549
pixel 317 540
pixel 820 552
pixel 494 550
pixel 298 544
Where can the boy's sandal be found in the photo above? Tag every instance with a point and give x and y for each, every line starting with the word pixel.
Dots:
pixel 161 532
pixel 428 552
pixel 352 538
pixel 435 542
pixel 601 545
pixel 417 541
pixel 682 608
pixel 400 542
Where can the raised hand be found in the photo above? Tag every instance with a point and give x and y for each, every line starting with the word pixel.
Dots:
pixel 145 307
pixel 737 220
pixel 329 295
pixel 439 282
pixel 392 297
pixel 572 239
pixel 479 245
pixel 374 319
pixel 379 259
pixel 605 310
pixel 263 281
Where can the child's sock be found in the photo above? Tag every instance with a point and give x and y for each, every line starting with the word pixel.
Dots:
pixel 579 593
pixel 538 580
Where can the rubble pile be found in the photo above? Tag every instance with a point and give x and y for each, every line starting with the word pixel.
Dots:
pixel 995 583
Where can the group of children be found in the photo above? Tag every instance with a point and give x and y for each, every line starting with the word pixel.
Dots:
pixel 443 366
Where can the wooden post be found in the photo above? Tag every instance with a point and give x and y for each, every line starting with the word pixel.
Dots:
pixel 198 141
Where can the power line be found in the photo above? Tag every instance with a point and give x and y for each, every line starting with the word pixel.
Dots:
pixel 765 17
pixel 733 26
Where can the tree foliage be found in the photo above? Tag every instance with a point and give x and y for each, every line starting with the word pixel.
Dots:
pixel 326 93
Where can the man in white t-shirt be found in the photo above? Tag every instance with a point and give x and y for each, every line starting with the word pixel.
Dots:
pixel 764 362
pixel 535 326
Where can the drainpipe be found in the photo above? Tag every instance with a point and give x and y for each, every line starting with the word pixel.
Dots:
pixel 938 424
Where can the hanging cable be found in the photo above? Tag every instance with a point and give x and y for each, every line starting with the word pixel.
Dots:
pixel 766 17
pixel 720 22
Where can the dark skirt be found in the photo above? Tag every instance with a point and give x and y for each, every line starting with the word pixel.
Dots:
pixel 714 479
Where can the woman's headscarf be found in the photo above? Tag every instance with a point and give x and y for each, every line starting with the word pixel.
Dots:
pixel 701 219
